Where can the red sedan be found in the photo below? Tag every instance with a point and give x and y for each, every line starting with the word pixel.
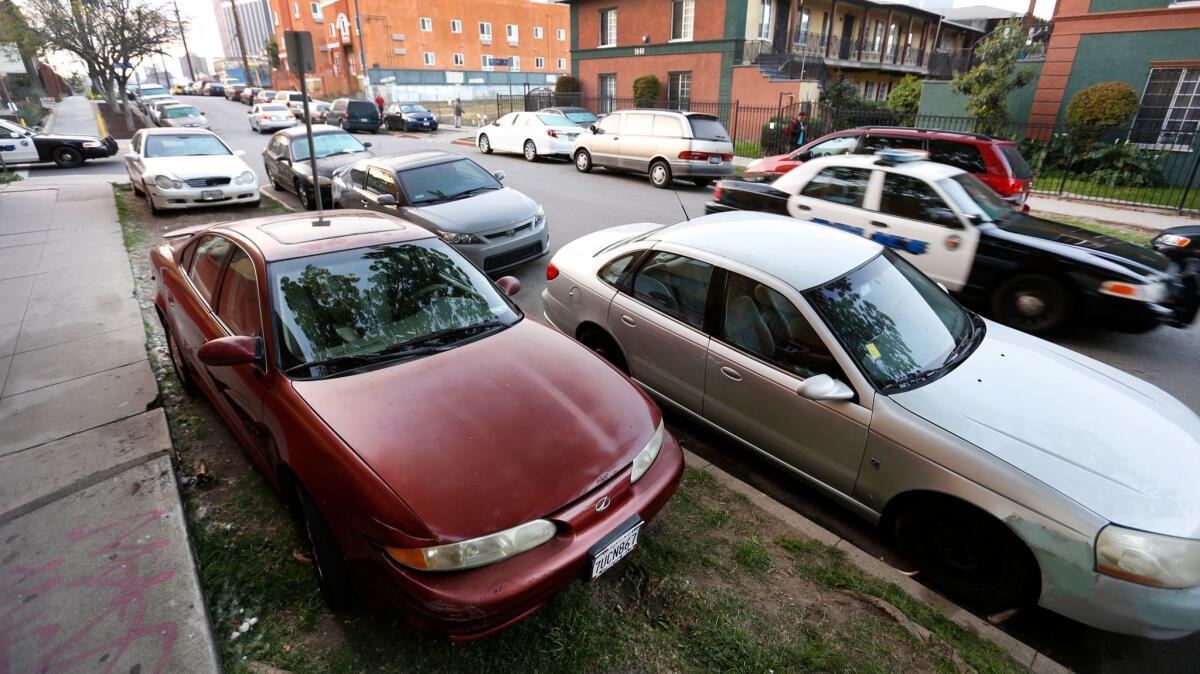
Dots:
pixel 447 455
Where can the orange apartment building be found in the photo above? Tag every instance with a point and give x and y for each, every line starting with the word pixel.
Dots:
pixel 427 49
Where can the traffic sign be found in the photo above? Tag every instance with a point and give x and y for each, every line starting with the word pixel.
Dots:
pixel 299 46
pixel 123 66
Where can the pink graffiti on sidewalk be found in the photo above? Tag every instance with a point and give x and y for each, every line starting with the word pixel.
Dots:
pixel 111 569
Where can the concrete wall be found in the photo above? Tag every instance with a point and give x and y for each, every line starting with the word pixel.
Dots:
pixel 938 99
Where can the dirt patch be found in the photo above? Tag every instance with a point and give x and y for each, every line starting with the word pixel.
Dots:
pixel 114 121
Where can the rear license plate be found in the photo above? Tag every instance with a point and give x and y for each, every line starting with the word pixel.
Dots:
pixel 714 160
pixel 615 546
pixel 211 194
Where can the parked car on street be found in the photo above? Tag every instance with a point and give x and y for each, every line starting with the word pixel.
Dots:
pixel 294 100
pixel 248 94
pixel 1009 470
pixel 533 134
pixel 212 89
pixel 1030 273
pixel 376 408
pixel 22 145
pixel 181 115
pixel 578 116
pixel 286 160
pixel 233 92
pixel 352 114
pixel 137 93
pixel 494 226
pixel 144 101
pixel 179 90
pixel 1179 243
pixel 188 168
pixel 995 161
pixel 317 110
pixel 409 117
pixel 264 96
pixel 660 143
pixel 155 105
pixel 266 117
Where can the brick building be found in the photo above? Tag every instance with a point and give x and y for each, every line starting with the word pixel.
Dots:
pixel 427 50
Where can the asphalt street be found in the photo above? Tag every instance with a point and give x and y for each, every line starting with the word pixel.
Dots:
pixel 577 204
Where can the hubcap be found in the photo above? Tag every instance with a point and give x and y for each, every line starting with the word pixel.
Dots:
pixel 660 174
pixel 530 151
pixel 1030 306
pixel 483 144
pixel 581 161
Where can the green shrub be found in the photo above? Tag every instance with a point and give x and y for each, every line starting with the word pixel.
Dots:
pixel 906 96
pixel 774 141
pixel 567 84
pixel 841 93
pixel 1118 164
pixel 1102 106
pixel 646 90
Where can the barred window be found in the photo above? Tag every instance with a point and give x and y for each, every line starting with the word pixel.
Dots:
pixel 1170 109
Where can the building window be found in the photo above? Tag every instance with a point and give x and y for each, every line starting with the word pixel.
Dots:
pixel 485 32
pixel 803 25
pixel 561 34
pixel 868 90
pixel 460 60
pixel 430 59
pixel 562 64
pixel 314 8
pixel 764 20
pixel 514 64
pixel 679 90
pixel 1170 109
pixel 539 63
pixel 426 24
pixel 455 26
pixel 538 33
pixel 511 31
pixel 485 62
pixel 608 93
pixel 295 10
pixel 682 13
pixel 608 27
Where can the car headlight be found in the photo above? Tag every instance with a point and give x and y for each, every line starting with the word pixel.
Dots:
pixel 476 551
pixel 167 182
pixel 1148 559
pixel 539 218
pixel 92 143
pixel 456 238
pixel 1171 240
pixel 646 457
pixel 434 118
pixel 1146 292
pixel 244 179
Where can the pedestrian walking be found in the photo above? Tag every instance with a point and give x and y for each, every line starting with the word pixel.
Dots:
pixel 379 103
pixel 458 113
pixel 796 130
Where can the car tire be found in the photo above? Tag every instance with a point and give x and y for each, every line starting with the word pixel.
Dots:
pixel 275 183
pixel 660 174
pixel 605 346
pixel 182 373
pixel 530 151
pixel 583 161
pixel 702 182
pixel 485 145
pixel 329 566
pixel 137 191
pixel 154 209
pixel 308 198
pixel 968 554
pixel 67 157
pixel 1033 303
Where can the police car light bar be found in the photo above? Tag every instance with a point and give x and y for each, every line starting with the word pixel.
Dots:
pixel 895 156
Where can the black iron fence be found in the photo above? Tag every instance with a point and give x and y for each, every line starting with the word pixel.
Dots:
pixel 1150 164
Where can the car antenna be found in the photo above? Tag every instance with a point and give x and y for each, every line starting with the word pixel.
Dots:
pixel 680 200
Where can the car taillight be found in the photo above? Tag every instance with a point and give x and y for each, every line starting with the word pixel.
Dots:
pixel 264 116
pixel 717 192
pixel 551 271
pixel 703 156
pixel 552 133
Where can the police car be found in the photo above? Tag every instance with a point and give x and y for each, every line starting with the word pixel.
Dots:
pixel 1028 272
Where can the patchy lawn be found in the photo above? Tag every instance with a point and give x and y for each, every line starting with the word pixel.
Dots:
pixel 1162 197
pixel 715 584
pixel 1130 233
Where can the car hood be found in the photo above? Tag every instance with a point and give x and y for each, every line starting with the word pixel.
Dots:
pixel 481 213
pixel 494 433
pixel 188 167
pixel 1117 445
pixel 1079 242
pixel 327 165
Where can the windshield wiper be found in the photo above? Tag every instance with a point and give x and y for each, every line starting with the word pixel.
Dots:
pixel 356 360
pixel 467 193
pixel 442 335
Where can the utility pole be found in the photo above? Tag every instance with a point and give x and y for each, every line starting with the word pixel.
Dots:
pixel 237 26
pixel 362 50
pixel 187 55
pixel 163 62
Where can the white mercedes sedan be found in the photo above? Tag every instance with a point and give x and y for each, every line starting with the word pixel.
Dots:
pixel 187 168
pixel 1008 469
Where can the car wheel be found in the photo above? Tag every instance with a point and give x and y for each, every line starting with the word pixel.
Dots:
pixel 67 157
pixel 660 174
pixel 605 346
pixel 308 198
pixel 583 161
pixel 177 363
pixel 137 191
pixel 530 151
pixel 150 202
pixel 275 182
pixel 329 566
pixel 485 145
pixel 701 182
pixel 968 554
pixel 1033 303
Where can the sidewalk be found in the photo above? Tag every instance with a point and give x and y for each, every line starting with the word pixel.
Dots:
pixel 96 570
pixel 76 114
pixel 1145 218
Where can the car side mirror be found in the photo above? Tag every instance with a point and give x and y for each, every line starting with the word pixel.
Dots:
pixel 367 144
pixel 37 129
pixel 496 123
pixel 509 284
pixel 133 156
pixel 824 387
pixel 499 175
pixel 386 200
pixel 235 350
pixel 595 129
pixel 239 153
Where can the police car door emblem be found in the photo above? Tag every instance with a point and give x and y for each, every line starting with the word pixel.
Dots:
pixel 953 242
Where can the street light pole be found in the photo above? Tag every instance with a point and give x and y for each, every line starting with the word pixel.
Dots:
pixel 237 27
pixel 187 55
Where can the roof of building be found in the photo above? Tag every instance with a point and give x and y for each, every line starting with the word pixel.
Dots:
pixel 803 255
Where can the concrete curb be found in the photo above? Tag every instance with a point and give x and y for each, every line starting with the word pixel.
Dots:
pixel 1022 653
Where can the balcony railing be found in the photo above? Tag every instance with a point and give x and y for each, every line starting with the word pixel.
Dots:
pixel 815 47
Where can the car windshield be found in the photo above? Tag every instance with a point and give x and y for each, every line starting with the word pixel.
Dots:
pixel 581 117
pixel 443 182
pixel 272 108
pixel 173 113
pixel 413 108
pixel 184 145
pixel 897 324
pixel 326 145
pixel 339 311
pixel 299 98
pixel 973 197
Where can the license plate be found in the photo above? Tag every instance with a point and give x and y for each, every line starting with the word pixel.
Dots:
pixel 614 547
pixel 211 194
pixel 425 123
pixel 714 160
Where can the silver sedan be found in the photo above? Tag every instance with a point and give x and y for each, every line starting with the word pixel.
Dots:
pixel 1009 470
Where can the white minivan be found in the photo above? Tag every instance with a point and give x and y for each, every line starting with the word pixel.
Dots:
pixel 663 144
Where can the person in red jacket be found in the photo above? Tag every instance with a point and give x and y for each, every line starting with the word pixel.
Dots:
pixel 379 103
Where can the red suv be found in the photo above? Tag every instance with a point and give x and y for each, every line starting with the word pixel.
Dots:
pixel 995 161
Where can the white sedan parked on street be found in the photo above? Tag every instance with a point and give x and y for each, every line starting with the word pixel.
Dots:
pixel 533 134
pixel 266 117
pixel 185 168
pixel 1009 470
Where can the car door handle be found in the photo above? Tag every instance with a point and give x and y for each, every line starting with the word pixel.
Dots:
pixel 802 207
pixel 731 373
pixel 628 320
pixel 876 223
